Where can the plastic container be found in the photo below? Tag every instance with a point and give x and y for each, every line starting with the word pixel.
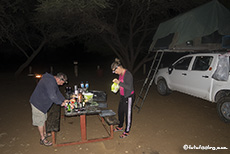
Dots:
pixel 99 96
pixel 88 96
pixel 115 87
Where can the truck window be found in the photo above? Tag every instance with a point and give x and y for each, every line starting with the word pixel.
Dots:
pixel 202 63
pixel 183 64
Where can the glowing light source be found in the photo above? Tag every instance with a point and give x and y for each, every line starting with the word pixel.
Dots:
pixel 38 76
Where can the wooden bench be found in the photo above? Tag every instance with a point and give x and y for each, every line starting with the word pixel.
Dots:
pixel 110 121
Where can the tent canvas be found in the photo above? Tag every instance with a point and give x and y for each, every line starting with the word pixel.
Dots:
pixel 209 20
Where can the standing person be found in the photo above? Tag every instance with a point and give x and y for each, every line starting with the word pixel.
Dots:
pixel 125 82
pixel 45 94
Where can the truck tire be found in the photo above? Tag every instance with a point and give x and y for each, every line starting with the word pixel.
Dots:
pixel 223 109
pixel 162 88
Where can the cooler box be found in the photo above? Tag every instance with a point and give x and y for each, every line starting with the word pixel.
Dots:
pixel 99 96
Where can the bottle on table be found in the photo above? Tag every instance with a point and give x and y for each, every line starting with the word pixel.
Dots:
pixel 82 84
pixel 75 90
pixel 86 85
pixel 69 107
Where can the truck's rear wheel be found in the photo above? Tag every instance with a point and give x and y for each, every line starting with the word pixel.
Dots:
pixel 223 108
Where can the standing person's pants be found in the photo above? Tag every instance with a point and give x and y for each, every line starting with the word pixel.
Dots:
pixel 125 111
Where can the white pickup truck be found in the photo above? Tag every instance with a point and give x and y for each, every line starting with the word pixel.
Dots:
pixel 194 75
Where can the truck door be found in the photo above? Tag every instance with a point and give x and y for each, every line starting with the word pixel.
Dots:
pixel 200 76
pixel 179 73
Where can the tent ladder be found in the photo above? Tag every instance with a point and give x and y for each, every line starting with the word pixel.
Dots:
pixel 149 79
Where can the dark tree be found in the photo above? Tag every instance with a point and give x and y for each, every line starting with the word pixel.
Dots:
pixel 17 27
pixel 126 26
pixel 21 25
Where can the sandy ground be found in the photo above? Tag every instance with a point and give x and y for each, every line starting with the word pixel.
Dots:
pixel 163 126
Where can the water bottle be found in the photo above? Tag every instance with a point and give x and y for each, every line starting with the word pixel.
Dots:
pixel 82 85
pixel 70 90
pixel 75 90
pixel 86 85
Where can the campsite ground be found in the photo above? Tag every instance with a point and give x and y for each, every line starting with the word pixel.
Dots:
pixel 163 126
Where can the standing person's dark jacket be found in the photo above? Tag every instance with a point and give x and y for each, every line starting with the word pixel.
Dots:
pixel 46 93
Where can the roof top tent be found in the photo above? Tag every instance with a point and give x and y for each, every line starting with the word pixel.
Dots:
pixel 205 28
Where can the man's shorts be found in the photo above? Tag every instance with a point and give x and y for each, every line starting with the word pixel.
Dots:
pixel 38 117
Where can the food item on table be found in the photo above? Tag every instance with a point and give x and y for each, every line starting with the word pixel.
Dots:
pixel 73 96
pixel 72 100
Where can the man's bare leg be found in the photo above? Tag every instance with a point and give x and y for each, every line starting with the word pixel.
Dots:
pixel 43 140
pixel 41 132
